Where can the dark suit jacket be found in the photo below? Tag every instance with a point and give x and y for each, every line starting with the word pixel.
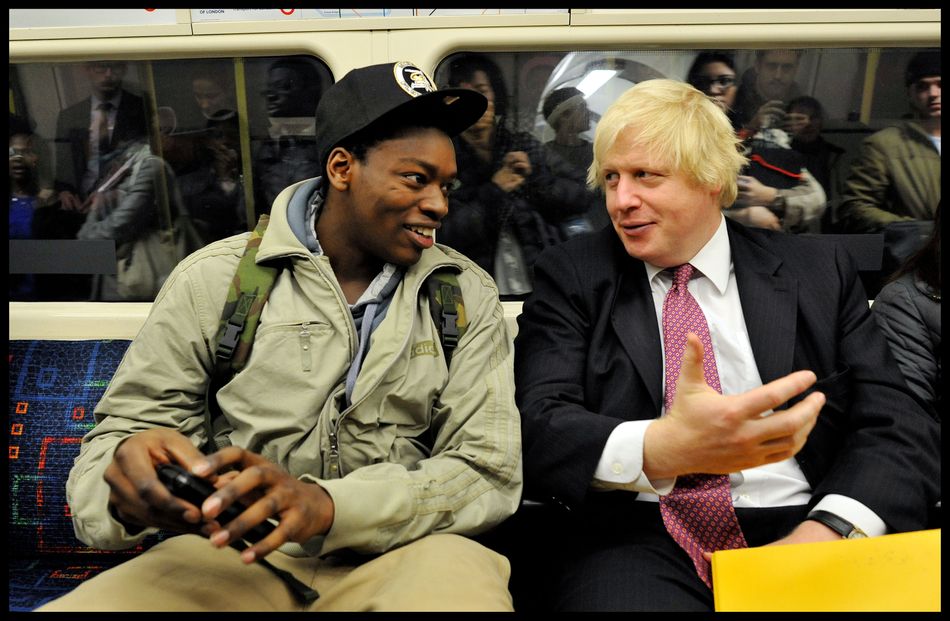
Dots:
pixel 588 357
pixel 72 136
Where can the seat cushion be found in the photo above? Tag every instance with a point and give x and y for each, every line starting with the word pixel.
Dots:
pixel 53 388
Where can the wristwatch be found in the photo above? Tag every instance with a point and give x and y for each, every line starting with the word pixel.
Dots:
pixel 843 527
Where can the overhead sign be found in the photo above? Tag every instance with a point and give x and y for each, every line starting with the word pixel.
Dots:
pixel 86 18
pixel 222 15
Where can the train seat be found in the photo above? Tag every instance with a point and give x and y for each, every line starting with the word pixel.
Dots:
pixel 53 388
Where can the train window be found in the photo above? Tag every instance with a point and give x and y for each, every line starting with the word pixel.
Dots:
pixel 524 166
pixel 117 168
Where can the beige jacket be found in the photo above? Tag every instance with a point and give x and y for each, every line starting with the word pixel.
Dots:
pixel 422 449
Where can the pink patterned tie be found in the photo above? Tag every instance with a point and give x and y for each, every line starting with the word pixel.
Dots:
pixel 698 513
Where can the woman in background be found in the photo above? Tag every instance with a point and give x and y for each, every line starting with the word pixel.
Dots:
pixel 908 311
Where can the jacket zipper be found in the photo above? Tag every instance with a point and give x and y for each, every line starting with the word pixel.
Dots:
pixel 405 344
pixel 336 462
pixel 336 465
pixel 335 459
pixel 305 354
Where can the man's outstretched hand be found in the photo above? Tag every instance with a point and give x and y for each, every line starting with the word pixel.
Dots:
pixel 706 432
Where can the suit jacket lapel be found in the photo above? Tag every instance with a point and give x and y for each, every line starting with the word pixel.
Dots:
pixel 634 320
pixel 769 303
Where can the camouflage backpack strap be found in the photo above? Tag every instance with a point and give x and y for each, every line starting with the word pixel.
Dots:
pixel 447 309
pixel 247 295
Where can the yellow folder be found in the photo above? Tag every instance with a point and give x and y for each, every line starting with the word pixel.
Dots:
pixel 899 572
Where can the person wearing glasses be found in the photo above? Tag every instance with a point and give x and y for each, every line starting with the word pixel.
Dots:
pixel 776 191
pixel 88 132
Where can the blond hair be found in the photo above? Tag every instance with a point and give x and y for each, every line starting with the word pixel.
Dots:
pixel 680 128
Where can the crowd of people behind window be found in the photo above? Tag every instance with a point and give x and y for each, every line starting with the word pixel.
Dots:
pixel 517 195
pixel 511 202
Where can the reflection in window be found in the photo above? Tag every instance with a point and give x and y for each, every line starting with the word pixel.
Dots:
pixel 201 141
pixel 515 198
pixel 286 90
pixel 158 158
pixel 776 189
pixel 228 134
pixel 819 107
pixel 35 214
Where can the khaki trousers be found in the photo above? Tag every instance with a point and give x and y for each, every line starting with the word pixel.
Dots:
pixel 186 573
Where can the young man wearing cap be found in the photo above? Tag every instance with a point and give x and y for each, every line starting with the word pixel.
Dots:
pixel 897 176
pixel 346 426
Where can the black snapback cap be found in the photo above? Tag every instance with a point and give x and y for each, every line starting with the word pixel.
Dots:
pixel 398 92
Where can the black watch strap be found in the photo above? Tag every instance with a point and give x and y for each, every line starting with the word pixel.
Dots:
pixel 841 526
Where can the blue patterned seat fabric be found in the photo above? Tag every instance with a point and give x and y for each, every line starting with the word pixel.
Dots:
pixel 54 387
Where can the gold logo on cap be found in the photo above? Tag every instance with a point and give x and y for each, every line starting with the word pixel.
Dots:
pixel 412 79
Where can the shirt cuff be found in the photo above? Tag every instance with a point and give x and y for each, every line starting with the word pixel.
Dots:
pixel 854 512
pixel 621 463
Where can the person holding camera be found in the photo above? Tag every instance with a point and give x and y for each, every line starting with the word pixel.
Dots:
pixel 776 191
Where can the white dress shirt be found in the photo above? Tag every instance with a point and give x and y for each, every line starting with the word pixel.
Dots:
pixel 92 173
pixel 773 485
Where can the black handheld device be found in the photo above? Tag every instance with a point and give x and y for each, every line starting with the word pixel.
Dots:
pixel 194 489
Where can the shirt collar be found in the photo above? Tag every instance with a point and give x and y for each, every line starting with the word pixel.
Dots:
pixel 713 260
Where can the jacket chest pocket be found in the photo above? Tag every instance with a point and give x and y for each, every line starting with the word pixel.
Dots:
pixel 296 340
pixel 306 351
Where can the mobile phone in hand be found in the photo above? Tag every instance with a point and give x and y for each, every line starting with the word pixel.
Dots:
pixel 195 490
